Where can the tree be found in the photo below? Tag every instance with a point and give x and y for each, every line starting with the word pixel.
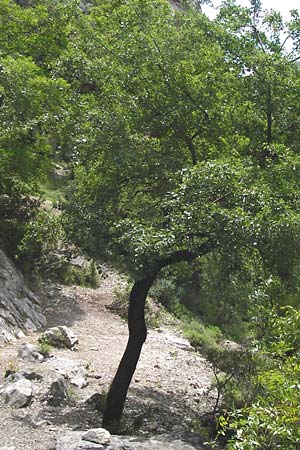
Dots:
pixel 33 105
pixel 167 171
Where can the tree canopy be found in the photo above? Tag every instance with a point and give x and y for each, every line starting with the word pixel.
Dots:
pixel 182 134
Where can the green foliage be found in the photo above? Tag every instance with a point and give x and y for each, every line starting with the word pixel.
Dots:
pixel 44 346
pixel 272 420
pixel 205 338
pixel 41 235
pixel 16 209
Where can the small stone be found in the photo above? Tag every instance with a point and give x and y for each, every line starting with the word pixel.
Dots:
pixel 96 376
pixel 30 353
pixel 31 375
pixel 97 435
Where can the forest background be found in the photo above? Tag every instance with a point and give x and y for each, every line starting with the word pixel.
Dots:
pixel 179 137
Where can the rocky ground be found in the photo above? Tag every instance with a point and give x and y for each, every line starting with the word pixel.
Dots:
pixel 171 388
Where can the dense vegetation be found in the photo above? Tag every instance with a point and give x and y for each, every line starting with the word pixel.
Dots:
pixel 182 138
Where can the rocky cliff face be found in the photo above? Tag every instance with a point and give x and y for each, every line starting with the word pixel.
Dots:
pixel 177 4
pixel 19 307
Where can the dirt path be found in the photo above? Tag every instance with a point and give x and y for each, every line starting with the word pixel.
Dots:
pixel 170 389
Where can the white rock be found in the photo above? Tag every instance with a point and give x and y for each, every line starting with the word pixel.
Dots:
pixel 30 352
pixel 97 435
pixel 73 441
pixel 18 393
pixel 60 336
pixel 179 342
pixel 71 370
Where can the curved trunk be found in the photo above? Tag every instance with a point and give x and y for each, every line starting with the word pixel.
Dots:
pixel 137 336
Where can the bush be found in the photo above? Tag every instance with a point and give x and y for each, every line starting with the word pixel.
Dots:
pixel 205 338
pixel 17 208
pixel 42 235
pixel 271 420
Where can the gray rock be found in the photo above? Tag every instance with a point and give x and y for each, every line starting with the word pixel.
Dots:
pixel 17 393
pixel 30 352
pixel 19 307
pixel 97 435
pixel 73 371
pixel 57 392
pixel 60 337
pixel 179 342
pixel 74 441
pixel 97 401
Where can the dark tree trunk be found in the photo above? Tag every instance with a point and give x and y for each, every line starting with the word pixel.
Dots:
pixel 137 336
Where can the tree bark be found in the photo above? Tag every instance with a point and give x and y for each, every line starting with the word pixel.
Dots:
pixel 137 336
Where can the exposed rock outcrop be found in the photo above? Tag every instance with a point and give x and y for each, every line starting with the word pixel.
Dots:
pixel 76 440
pixel 19 307
pixel 60 337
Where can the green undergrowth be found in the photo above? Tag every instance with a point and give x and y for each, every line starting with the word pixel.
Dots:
pixel 53 187
pixel 204 338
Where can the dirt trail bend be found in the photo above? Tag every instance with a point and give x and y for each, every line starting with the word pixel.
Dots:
pixel 169 391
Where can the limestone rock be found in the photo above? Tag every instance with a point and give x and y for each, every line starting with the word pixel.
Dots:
pixel 17 393
pixel 60 337
pixel 179 342
pixel 72 370
pixel 57 392
pixel 74 441
pixel 19 307
pixel 97 435
pixel 30 353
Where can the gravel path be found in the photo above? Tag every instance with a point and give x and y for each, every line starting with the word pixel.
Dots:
pixel 170 389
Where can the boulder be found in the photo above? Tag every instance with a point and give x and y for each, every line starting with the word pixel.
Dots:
pixel 20 309
pixel 72 370
pixel 97 435
pixel 30 352
pixel 59 337
pixel 74 441
pixel 179 342
pixel 57 392
pixel 97 401
pixel 17 393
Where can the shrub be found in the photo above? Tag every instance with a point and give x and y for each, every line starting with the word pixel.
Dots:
pixel 272 419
